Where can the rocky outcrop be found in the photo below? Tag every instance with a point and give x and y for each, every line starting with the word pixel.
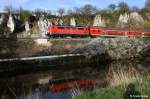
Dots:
pixel 136 20
pixel 114 48
pixel 98 21
pixel 123 20
pixel 11 24
pixel 61 22
pixel 43 25
pixel 132 20
pixel 1 19
pixel 72 22
pixel 27 28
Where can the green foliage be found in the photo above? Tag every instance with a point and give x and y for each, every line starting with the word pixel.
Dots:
pixel 111 18
pixel 112 7
pixel 147 25
pixel 24 15
pixel 123 7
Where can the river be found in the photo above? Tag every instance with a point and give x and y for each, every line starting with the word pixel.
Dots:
pixel 61 83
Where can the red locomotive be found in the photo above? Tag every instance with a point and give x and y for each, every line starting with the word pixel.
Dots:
pixel 94 31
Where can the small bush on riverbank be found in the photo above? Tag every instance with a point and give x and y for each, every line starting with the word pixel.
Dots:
pixel 123 75
pixel 117 92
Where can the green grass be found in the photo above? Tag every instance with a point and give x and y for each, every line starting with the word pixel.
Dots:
pixel 117 92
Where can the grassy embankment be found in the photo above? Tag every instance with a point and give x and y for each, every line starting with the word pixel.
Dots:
pixel 118 86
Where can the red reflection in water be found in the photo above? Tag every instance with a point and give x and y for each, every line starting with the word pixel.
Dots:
pixel 58 87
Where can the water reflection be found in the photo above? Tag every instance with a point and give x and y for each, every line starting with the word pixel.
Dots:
pixel 59 84
pixel 37 94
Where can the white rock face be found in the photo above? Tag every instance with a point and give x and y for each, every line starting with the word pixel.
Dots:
pixel 61 22
pixel 41 42
pixel 123 20
pixel 11 23
pixel 72 22
pixel 56 21
pixel 134 20
pixel 114 48
pixel 136 17
pixel 1 19
pixel 43 25
pixel 27 28
pixel 98 21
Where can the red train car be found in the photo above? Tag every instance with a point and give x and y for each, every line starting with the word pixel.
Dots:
pixel 67 30
pixel 95 31
pixel 72 30
pixel 146 34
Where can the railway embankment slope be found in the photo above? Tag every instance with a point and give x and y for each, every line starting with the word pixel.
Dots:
pixel 116 48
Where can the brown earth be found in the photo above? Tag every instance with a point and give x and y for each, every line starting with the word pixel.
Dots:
pixel 28 48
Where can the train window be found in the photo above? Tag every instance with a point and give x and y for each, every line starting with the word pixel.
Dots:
pixel 67 28
pixel 60 27
pixel 80 28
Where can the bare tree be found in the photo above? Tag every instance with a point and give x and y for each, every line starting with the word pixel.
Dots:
pixel 70 12
pixel 48 12
pixel 38 12
pixel 9 9
pixel 135 9
pixel 88 9
pixel 147 5
pixel 61 11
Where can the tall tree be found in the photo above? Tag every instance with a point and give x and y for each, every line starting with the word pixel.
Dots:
pixel 112 7
pixel 24 15
pixel 61 11
pixel 123 7
pixel 88 9
pixel 135 9
pixel 147 5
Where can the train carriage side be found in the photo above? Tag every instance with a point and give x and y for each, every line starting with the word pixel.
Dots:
pixel 114 33
pixel 95 31
pixel 68 30
pixel 145 34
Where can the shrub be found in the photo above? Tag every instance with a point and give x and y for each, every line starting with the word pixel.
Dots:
pixel 147 25
pixel 24 15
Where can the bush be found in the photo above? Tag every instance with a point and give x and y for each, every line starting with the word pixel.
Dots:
pixel 117 92
pixel 24 15
pixel 147 25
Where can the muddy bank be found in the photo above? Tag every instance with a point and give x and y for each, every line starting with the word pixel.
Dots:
pixel 12 48
pixel 109 48
pixel 62 46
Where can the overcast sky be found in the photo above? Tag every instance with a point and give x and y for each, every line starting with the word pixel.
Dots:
pixel 67 4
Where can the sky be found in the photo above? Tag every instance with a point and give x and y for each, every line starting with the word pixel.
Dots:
pixel 53 5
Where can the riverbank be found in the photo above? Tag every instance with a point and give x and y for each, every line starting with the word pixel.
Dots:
pixel 118 92
pixel 111 48
pixel 12 48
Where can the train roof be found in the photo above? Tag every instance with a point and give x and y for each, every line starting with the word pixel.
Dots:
pixel 70 26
